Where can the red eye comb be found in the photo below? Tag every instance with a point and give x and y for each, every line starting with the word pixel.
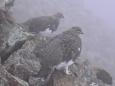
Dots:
pixel 59 13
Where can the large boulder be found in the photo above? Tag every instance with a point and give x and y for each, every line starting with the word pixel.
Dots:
pixel 90 75
pixel 103 75
pixel 23 63
pixel 6 79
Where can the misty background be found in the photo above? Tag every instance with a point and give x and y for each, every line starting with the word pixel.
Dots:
pixel 95 17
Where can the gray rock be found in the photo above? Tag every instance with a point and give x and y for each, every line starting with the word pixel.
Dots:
pixel 11 34
pixel 83 71
pixel 88 74
pixel 9 3
pixel 3 82
pixel 23 60
pixel 2 4
pixel 13 39
pixel 17 34
pixel 34 81
pixel 59 78
pixel 103 75
pixel 6 79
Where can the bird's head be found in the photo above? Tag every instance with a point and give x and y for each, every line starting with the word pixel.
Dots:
pixel 77 30
pixel 58 15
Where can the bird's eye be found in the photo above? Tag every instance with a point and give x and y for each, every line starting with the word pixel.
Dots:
pixel 78 30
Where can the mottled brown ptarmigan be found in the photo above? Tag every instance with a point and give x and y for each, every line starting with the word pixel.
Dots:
pixel 40 24
pixel 62 51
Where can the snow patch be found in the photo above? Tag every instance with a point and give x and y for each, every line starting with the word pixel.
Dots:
pixel 94 84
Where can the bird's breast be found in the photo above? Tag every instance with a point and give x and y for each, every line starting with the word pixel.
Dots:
pixel 65 64
pixel 47 30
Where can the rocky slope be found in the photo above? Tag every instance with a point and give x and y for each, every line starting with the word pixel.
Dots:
pixel 20 53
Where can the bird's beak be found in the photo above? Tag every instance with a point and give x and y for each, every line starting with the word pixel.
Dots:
pixel 82 33
pixel 62 16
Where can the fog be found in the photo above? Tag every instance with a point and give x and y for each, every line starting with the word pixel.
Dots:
pixel 96 18
pixel 103 9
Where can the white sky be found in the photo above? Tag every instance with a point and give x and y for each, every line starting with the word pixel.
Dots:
pixel 105 9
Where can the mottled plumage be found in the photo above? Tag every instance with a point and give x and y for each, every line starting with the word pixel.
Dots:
pixel 44 22
pixel 61 51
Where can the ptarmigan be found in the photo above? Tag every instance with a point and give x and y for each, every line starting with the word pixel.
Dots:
pixel 43 23
pixel 61 51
